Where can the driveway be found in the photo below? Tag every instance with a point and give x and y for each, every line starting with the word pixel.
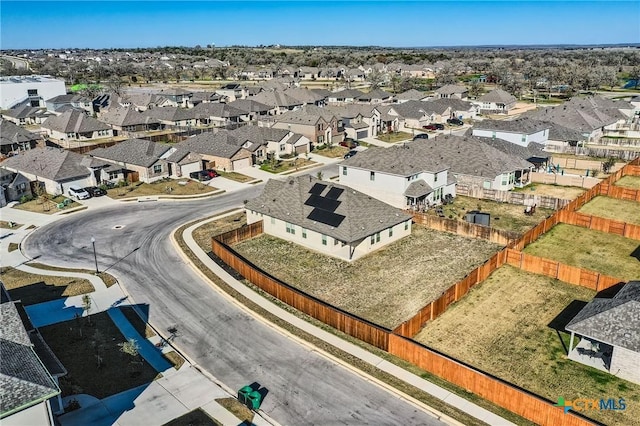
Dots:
pixel 132 242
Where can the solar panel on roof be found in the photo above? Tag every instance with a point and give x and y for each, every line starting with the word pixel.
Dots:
pixel 323 203
pixel 334 193
pixel 326 217
pixel 317 188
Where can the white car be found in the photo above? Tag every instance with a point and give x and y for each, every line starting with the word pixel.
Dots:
pixel 79 193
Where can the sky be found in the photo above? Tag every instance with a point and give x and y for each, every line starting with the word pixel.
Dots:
pixel 125 24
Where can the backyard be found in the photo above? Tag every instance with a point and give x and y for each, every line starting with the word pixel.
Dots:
pixel 555 191
pixel 76 343
pixel 51 205
pixel 32 289
pixel 387 286
pixel 606 253
pixel 163 187
pixel 506 326
pixel 505 216
pixel 632 182
pixel 613 208
pixel 394 137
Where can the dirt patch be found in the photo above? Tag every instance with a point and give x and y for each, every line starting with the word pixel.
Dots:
pixel 508 217
pixel 34 288
pixel 502 327
pixel 555 191
pixel 613 208
pixel 585 248
pixel 76 342
pixel 387 286
pixel 176 360
pixel 13 247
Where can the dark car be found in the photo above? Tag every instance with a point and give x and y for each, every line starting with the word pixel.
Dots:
pixel 434 126
pixel 200 175
pixel 212 173
pixel 455 122
pixel 94 191
pixel 421 136
pixel 350 154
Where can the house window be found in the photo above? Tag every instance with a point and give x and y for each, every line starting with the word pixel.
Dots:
pixel 344 171
pixel 524 138
pixel 281 147
pixel 304 233
pixel 21 188
pixel 406 226
pixel 259 153
pixel 390 232
pixel 291 228
pixel 373 240
pixel 493 135
pixel 320 127
pixel 32 92
pixel 486 184
pixel 435 177
pixel 335 241
pixel 377 237
pixel 324 240
pixel 372 175
pixel 113 175
pixel 157 168
pixel 505 179
pixel 273 220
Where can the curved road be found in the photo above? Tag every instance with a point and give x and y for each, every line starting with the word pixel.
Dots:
pixel 304 387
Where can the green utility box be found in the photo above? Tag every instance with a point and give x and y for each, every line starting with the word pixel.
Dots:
pixel 243 394
pixel 254 400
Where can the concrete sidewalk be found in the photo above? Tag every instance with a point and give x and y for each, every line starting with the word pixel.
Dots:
pixel 440 393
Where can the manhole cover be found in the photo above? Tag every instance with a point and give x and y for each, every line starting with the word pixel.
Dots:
pixel 118 227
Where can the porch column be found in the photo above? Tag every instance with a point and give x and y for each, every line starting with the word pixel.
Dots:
pixel 571 343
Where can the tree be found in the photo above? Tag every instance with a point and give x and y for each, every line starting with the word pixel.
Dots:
pixel 131 348
pixel 608 164
pixel 319 175
pixel 86 306
pixel 475 89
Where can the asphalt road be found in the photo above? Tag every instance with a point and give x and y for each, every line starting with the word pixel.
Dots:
pixel 304 387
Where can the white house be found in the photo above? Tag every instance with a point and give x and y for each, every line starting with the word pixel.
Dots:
pixel 74 124
pixel 326 217
pixel 35 89
pixel 521 132
pixel 405 176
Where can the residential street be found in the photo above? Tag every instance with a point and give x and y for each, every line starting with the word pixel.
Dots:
pixel 132 240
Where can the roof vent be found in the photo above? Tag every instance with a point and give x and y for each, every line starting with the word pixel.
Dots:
pixel 380 220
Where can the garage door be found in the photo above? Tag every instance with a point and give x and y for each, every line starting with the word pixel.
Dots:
pixel 241 164
pixel 191 167
pixel 362 134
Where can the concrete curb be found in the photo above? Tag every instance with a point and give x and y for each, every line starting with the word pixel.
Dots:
pixel 269 306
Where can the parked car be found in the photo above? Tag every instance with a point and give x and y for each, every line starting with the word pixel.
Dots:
pixel 201 175
pixel 421 136
pixel 349 144
pixel 350 154
pixel 455 122
pixel 94 191
pixel 434 126
pixel 77 192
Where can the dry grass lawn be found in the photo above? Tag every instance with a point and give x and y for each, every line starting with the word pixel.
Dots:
pixel 629 182
pixel 287 165
pixel 74 343
pixel 555 191
pixel 238 177
pixel 164 187
pixel 336 151
pixel 202 235
pixel 385 287
pixel 394 137
pixel 599 251
pixel 505 216
pixel 108 279
pixel 8 225
pixel 237 409
pixel 501 327
pixel 47 207
pixel 613 208
pixel 32 288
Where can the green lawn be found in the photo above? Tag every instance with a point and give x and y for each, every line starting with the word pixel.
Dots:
pixel 502 327
pixel 599 251
pixel 613 208
pixel 632 182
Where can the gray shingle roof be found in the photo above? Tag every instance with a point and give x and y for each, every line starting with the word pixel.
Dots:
pixel 614 321
pixel 411 95
pixel 50 163
pixel 74 121
pixel 529 152
pixel 258 136
pixel 451 89
pixel 213 109
pixel 305 96
pixel 498 96
pixel 558 132
pixel 346 94
pixel 249 105
pixel 403 159
pixel 418 188
pixel 138 152
pixel 414 109
pixel 521 125
pixel 24 381
pixel 275 98
pixel 440 105
pixel 308 114
pixel 26 111
pixel 170 113
pixel 350 110
pixel 125 116
pixel 363 215
pixel 375 94
pixel 11 133
pixel 221 144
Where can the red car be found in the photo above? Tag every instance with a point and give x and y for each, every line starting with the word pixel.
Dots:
pixel 212 173
pixel 434 126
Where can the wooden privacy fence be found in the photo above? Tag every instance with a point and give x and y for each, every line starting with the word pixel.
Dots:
pixel 569 274
pixel 466 229
pixel 632 170
pixel 335 317
pixel 490 388
pixel 620 192
pixel 510 197
pixel 241 234
pixel 627 230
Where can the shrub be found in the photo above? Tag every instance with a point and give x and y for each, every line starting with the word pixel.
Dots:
pixel 25 199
